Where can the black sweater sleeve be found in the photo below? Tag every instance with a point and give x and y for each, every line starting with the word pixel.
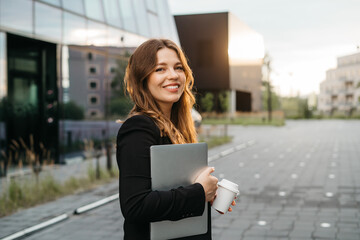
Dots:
pixel 138 202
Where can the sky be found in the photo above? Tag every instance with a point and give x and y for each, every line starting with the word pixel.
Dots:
pixel 304 38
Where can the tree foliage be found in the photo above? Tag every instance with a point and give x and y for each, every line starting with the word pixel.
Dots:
pixel 120 106
pixel 71 110
pixel 224 98
pixel 207 102
pixel 120 103
pixel 117 84
pixel 275 100
pixel 295 107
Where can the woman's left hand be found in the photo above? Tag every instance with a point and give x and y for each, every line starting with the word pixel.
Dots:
pixel 233 204
pixel 230 209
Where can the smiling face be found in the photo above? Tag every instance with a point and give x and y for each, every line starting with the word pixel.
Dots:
pixel 166 83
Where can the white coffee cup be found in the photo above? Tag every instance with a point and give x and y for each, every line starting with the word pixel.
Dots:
pixel 225 194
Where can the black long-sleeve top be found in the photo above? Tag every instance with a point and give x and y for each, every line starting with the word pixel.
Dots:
pixel 139 204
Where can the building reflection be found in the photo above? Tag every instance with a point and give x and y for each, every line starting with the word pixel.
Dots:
pixel 60 55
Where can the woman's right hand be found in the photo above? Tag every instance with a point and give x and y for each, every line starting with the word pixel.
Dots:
pixel 208 182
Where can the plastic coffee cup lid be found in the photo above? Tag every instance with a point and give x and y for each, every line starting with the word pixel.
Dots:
pixel 229 185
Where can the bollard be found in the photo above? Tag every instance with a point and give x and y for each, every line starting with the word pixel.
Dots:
pixel 98 154
pixel 69 139
pixel 108 157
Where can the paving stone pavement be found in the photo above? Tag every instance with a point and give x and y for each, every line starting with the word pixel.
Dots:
pixel 35 215
pixel 300 181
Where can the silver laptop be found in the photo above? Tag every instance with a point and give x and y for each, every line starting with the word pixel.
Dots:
pixel 173 166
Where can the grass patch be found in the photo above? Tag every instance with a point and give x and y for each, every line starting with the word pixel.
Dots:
pixel 244 118
pixel 25 194
pixel 244 121
pixel 214 141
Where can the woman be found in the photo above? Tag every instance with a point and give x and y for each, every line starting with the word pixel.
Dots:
pixel 159 81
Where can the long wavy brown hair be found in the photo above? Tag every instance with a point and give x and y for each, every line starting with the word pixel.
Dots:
pixel 180 128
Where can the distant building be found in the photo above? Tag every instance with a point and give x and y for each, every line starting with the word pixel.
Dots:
pixel 91 71
pixel 340 91
pixel 225 55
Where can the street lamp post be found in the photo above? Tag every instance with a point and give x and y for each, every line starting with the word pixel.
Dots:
pixel 267 62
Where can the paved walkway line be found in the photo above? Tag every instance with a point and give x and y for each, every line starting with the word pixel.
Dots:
pixel 231 150
pixel 96 204
pixel 38 227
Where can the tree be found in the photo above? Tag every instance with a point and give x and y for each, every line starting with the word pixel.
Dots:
pixel 275 100
pixel 71 110
pixel 267 63
pixel 306 111
pixel 207 102
pixel 295 107
pixel 224 101
pixel 120 104
pixel 117 84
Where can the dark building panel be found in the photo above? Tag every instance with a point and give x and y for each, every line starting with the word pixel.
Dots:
pixel 206 45
pixel 243 101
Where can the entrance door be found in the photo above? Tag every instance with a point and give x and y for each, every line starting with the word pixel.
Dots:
pixel 32 98
pixel 243 101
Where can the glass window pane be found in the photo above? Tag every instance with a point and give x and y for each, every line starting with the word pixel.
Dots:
pixel 3 88
pixel 74 5
pixel 96 34
pixel 53 2
pixel 65 83
pixel 128 17
pixel 151 5
pixel 112 12
pixel 93 100
pixel 141 17
pixel 3 83
pixel 74 29
pixel 92 70
pixel 116 37
pixel 93 9
pixel 45 26
pixel 155 26
pixel 93 85
pixel 167 22
pixel 10 12
pixel 120 38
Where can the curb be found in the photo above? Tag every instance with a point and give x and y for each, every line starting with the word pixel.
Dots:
pixel 38 227
pixel 96 204
pixel 60 218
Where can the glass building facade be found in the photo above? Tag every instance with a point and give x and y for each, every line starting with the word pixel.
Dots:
pixel 61 62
